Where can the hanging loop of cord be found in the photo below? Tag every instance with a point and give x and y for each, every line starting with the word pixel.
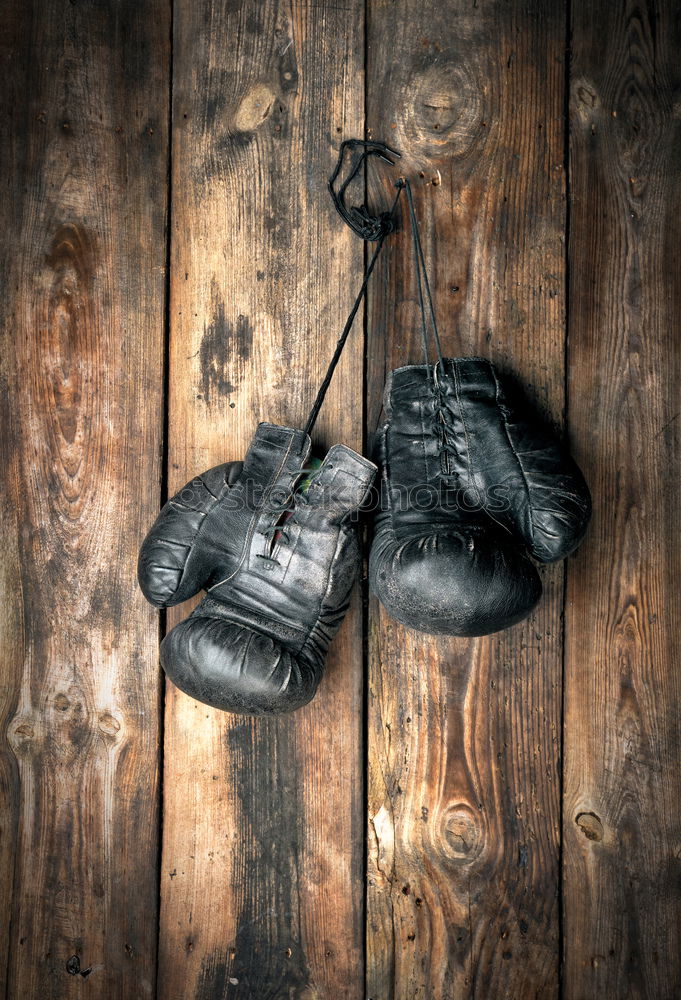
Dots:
pixel 423 283
pixel 360 220
pixel 374 228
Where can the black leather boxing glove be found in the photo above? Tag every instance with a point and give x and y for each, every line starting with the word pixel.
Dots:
pixel 278 565
pixel 438 562
pixel 466 481
pixel 523 476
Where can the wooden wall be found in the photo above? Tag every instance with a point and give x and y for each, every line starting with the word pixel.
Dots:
pixel 492 818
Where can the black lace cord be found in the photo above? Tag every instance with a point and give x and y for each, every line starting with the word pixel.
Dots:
pixel 441 423
pixel 422 281
pixel 368 227
pixel 289 505
pixel 419 285
pixel 358 218
pixel 314 412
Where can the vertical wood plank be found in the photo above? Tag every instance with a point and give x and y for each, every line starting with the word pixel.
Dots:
pixel 623 685
pixel 263 836
pixel 84 161
pixel 464 752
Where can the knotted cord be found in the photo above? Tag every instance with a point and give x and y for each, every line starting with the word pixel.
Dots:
pixel 360 220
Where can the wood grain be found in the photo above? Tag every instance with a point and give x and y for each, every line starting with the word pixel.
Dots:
pixel 464 749
pixel 622 831
pixel 84 151
pixel 264 826
pixel 261 882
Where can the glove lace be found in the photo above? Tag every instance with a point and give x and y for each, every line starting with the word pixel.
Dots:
pixel 283 514
pixel 442 428
pixel 441 425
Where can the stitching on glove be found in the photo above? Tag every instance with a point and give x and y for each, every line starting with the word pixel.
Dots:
pixel 471 479
pixel 516 455
pixel 324 595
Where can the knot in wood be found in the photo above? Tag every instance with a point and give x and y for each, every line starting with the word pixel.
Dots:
pixel 443 111
pixel 108 725
pixel 590 825
pixel 23 735
pixel 254 108
pixel 461 833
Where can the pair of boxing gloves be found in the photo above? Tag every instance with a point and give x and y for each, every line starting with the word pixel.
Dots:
pixel 472 484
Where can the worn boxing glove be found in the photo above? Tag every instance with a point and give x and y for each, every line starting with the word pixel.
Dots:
pixel 466 482
pixel 278 564
pixel 524 477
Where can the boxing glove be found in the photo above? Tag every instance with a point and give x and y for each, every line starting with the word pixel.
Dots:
pixel 277 562
pixel 523 476
pixel 467 480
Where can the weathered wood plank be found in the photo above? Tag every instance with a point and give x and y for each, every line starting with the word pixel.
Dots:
pixel 84 162
pixel 464 806
pixel 622 821
pixel 263 834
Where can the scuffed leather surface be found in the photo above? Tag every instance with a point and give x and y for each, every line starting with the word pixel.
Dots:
pixel 172 561
pixel 448 554
pixel 257 642
pixel 514 452
pixel 445 572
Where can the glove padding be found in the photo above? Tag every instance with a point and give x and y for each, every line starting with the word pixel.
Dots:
pixel 278 566
pixel 468 479
pixel 524 477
